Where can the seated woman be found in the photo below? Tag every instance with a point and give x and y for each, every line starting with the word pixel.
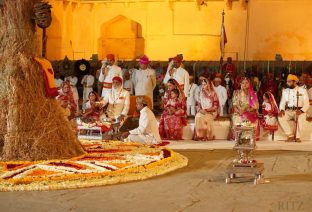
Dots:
pixel 66 97
pixel 173 118
pixel 207 111
pixel 92 109
pixel 270 112
pixel 245 106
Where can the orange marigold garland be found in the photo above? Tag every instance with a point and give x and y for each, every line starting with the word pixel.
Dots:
pixel 112 162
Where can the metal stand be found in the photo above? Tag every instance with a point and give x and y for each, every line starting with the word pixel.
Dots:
pixel 244 163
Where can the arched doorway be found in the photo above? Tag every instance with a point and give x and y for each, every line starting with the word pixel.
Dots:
pixel 122 37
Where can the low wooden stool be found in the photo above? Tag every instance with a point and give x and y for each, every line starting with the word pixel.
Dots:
pixel 255 170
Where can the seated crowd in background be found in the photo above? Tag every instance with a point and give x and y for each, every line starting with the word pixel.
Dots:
pixel 206 97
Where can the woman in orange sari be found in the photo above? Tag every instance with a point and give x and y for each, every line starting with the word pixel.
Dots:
pixel 173 118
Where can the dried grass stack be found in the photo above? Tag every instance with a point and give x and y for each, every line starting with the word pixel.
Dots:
pixel 32 126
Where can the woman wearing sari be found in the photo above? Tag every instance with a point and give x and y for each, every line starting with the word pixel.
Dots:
pixel 245 106
pixel 207 111
pixel 92 110
pixel 173 118
pixel 66 98
pixel 270 112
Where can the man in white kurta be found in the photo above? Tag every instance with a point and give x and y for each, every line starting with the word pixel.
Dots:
pixel 144 79
pixel 87 82
pixel 191 98
pixel 288 107
pixel 221 93
pixel 147 132
pixel 73 80
pixel 128 84
pixel 178 73
pixel 118 100
pixel 109 70
pixel 58 80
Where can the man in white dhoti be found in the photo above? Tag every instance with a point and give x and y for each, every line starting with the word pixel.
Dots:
pixel 288 107
pixel 144 79
pixel 178 73
pixel 87 82
pixel 118 100
pixel 147 132
pixel 73 80
pixel 109 71
pixel 191 98
pixel 221 93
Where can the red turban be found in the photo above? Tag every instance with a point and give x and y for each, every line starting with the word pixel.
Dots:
pixel 118 79
pixel 110 57
pixel 144 60
pixel 177 59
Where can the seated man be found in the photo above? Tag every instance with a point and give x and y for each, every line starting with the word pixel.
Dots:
pixel 118 100
pixel 147 132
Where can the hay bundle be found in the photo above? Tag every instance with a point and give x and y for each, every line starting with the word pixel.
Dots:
pixel 32 126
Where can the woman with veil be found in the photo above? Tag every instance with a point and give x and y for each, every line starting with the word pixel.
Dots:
pixel 173 118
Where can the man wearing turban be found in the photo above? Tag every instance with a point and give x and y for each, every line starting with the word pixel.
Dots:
pixel 109 70
pixel 176 71
pixel 144 79
pixel 288 107
pixel 147 132
pixel 118 100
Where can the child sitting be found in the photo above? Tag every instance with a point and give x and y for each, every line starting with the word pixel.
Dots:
pixel 270 112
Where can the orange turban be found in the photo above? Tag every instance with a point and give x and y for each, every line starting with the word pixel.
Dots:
pixel 292 77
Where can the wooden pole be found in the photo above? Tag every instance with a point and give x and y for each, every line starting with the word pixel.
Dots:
pixel 44 42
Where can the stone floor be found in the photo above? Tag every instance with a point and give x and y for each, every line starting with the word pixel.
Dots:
pixel 305 145
pixel 198 187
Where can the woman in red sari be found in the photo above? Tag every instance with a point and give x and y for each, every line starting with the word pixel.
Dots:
pixel 270 112
pixel 173 118
pixel 66 97
pixel 207 111
pixel 92 110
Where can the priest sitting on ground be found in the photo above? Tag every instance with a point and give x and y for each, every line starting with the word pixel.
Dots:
pixel 147 132
pixel 288 107
pixel 118 100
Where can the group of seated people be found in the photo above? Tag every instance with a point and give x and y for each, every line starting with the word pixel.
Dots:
pixel 206 102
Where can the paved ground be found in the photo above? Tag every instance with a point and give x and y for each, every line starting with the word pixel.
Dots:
pixel 306 145
pixel 198 187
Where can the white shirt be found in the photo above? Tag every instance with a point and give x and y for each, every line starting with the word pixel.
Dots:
pixel 118 103
pixel 128 86
pixel 58 83
pixel 112 72
pixel 191 98
pixel 88 79
pixel 289 98
pixel 197 92
pixel 72 80
pixel 222 94
pixel 147 125
pixel 181 76
pixel 144 82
